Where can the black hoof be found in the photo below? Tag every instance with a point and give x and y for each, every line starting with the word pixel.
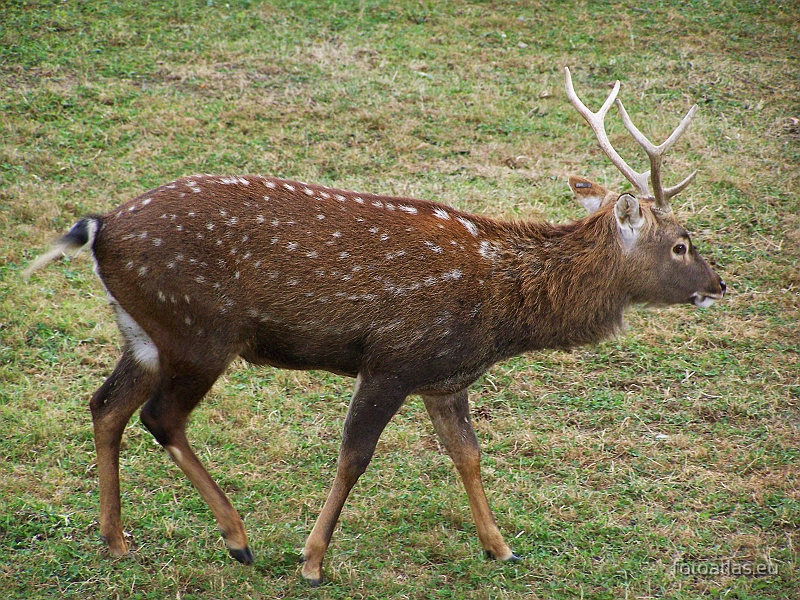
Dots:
pixel 314 582
pixel 513 558
pixel 243 555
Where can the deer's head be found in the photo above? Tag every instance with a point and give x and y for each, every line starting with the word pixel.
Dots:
pixel 664 265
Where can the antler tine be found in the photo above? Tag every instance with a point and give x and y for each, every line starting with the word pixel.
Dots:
pixel 677 189
pixel 656 155
pixel 596 122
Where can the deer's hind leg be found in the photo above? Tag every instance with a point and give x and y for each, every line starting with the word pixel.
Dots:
pixel 112 405
pixel 180 388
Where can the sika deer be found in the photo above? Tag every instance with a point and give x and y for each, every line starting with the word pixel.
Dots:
pixel 407 296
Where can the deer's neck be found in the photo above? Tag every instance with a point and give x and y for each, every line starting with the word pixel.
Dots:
pixel 563 285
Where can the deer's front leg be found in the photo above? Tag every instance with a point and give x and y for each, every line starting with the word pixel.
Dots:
pixel 373 405
pixel 450 416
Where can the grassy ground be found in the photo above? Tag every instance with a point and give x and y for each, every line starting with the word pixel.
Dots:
pixel 629 469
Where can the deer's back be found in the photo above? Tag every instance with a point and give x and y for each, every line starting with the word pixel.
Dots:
pixel 304 276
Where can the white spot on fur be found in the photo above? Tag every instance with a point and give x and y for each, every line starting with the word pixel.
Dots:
pixel 291 246
pixel 260 219
pixel 436 249
pixel 441 213
pixel 409 209
pixel 488 251
pixel 288 187
pixel 452 275
pixel 468 225
pixel 226 306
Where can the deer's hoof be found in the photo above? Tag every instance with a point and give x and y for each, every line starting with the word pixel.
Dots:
pixel 512 558
pixel 116 548
pixel 243 555
pixel 312 576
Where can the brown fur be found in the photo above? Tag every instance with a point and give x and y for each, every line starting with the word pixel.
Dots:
pixel 409 296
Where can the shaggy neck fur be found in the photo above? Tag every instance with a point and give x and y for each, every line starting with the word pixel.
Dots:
pixel 568 286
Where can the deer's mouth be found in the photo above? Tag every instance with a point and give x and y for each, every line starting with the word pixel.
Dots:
pixel 703 300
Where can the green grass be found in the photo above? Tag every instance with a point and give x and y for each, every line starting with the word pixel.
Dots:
pixel 607 466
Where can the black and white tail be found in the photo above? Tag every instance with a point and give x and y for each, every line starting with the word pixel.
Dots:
pixel 81 235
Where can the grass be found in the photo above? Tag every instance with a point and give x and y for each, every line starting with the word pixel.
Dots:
pixel 607 467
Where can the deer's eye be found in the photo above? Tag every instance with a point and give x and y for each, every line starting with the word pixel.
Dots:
pixel 679 249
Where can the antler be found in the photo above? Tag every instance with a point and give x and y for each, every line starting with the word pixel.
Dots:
pixel 654 153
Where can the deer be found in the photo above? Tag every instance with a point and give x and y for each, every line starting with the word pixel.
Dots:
pixel 406 296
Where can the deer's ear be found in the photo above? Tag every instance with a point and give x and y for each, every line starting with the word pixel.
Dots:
pixel 629 219
pixel 591 195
